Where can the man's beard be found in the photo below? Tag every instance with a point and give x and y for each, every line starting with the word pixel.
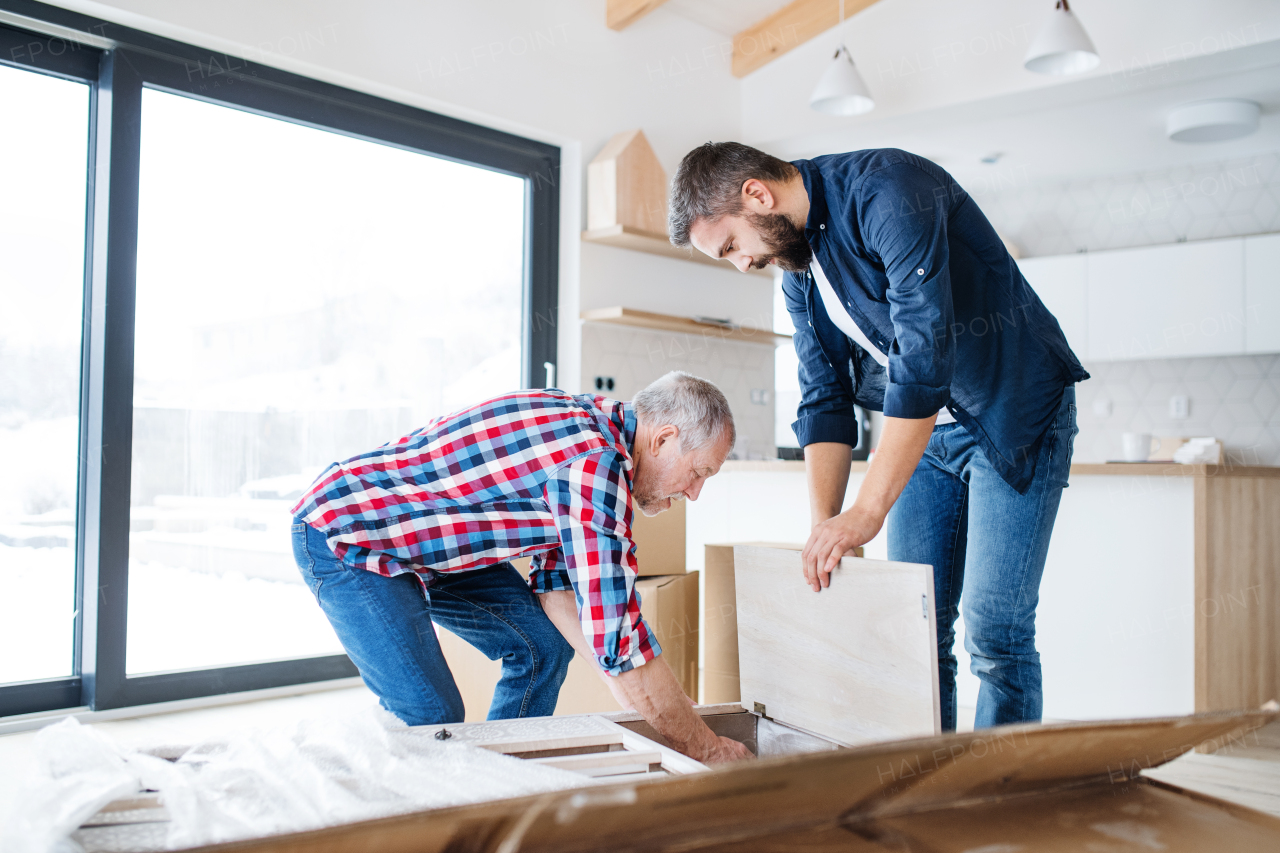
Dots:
pixel 785 244
pixel 650 502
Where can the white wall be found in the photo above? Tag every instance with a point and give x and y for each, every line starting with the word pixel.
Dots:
pixel 549 70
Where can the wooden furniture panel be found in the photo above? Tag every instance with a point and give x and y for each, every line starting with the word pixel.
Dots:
pixel 1237 600
pixel 1262 293
pixel 589 744
pixel 1062 284
pixel 1167 301
pixel 855 663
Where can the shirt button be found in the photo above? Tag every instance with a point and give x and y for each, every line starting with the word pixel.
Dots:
pixel 920 272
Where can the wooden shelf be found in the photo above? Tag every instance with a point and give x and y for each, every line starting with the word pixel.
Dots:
pixel 685 325
pixel 627 237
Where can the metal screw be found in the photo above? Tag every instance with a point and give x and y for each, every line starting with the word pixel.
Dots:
pixel 444 734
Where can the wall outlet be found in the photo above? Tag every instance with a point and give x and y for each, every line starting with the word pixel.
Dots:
pixel 759 396
pixel 1102 408
pixel 604 383
pixel 1179 407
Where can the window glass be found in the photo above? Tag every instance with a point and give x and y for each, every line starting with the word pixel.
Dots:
pixel 43 163
pixel 303 297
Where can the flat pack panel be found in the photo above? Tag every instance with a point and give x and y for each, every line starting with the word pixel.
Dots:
pixel 856 662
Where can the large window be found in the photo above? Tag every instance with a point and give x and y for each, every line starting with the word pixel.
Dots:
pixel 44 152
pixel 220 278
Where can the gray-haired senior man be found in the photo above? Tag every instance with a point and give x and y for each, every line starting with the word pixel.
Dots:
pixel 904 300
pixel 421 531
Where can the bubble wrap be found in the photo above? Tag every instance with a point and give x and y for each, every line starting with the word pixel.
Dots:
pixel 255 782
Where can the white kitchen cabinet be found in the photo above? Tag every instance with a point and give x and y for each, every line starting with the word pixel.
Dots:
pixel 1167 301
pixel 1262 293
pixel 1061 283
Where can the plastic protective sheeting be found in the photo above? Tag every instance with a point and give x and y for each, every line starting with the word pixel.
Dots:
pixel 310 774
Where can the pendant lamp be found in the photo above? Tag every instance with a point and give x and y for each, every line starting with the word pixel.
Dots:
pixel 841 91
pixel 1062 47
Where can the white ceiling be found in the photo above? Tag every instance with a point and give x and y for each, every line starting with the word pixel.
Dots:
pixel 1090 127
pixel 949 84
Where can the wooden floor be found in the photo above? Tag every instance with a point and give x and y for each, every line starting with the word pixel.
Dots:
pixel 1246 772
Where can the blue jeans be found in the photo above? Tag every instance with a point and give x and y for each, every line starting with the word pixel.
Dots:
pixel 957 515
pixel 385 625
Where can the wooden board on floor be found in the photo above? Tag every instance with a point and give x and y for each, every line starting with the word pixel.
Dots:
pixel 856 662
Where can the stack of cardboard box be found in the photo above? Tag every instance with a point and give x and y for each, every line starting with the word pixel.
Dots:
pixel 669 602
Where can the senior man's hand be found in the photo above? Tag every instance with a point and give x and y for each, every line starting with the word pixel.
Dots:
pixel 833 539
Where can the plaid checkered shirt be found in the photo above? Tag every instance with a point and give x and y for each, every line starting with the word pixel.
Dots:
pixel 532 473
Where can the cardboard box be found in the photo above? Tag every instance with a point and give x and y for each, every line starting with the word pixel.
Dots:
pixel 1056 787
pixel 669 605
pixel 660 541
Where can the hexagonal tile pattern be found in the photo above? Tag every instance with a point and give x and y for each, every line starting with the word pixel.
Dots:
pixel 1233 398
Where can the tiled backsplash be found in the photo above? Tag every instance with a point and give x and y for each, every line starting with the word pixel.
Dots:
pixel 635 357
pixel 1233 398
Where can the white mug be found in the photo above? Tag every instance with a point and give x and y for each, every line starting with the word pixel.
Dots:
pixel 1138 446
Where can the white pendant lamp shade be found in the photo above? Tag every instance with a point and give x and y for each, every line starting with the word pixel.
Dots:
pixel 1212 121
pixel 842 91
pixel 1062 47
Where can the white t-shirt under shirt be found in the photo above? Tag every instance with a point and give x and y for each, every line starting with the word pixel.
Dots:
pixel 839 315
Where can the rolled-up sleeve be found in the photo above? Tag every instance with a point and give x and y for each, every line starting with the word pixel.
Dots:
pixel 903 217
pixel 826 405
pixel 589 498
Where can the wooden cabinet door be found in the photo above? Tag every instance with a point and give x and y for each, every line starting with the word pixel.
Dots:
pixel 1262 293
pixel 1061 283
pixel 1167 301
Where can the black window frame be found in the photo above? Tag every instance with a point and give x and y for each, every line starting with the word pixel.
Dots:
pixel 118 62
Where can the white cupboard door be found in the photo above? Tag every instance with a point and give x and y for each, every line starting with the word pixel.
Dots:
pixel 1262 293
pixel 1167 301
pixel 1060 282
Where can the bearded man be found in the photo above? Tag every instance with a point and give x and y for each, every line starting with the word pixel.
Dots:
pixel 906 301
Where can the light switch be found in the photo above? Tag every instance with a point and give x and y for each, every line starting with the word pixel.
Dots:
pixel 1102 408
pixel 1179 407
pixel 760 396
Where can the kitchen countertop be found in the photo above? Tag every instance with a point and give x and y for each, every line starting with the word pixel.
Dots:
pixel 1108 469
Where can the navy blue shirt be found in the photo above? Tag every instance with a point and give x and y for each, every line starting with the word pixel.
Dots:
pixel 923 274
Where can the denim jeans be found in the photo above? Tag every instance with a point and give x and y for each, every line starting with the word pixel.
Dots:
pixel 959 516
pixel 385 625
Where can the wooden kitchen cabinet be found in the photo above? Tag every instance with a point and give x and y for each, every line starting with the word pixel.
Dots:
pixel 1167 301
pixel 1262 293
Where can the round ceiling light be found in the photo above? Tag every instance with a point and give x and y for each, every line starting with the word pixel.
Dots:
pixel 1062 47
pixel 1212 121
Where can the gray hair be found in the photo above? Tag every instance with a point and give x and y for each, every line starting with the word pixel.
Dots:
pixel 708 184
pixel 692 405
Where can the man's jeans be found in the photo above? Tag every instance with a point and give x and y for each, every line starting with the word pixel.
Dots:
pixel 385 625
pixel 957 515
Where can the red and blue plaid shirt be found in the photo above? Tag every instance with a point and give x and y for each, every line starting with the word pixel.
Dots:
pixel 533 473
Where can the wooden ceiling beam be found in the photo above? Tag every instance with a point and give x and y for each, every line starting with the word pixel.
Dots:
pixel 623 13
pixel 788 28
